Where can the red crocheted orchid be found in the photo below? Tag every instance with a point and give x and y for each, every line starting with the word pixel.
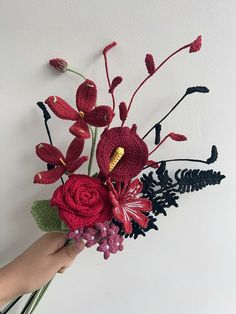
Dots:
pixel 54 156
pixel 128 206
pixel 87 113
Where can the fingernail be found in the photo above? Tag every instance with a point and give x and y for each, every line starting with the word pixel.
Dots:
pixel 80 245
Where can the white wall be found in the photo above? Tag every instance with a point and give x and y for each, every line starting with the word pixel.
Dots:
pixel 188 266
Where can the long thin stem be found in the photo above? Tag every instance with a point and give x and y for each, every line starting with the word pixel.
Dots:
pixel 34 299
pixel 94 139
pixel 144 81
pixel 179 101
pixel 109 81
pixel 161 142
pixel 43 291
pixel 73 71
pixel 178 159
pixel 10 305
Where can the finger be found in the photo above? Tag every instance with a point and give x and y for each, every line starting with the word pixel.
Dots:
pixel 68 253
pixel 62 270
pixel 49 243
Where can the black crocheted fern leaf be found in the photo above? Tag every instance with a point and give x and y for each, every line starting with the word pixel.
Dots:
pixel 189 180
pixel 137 230
pixel 162 190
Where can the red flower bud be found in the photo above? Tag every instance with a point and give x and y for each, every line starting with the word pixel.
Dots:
pixel 59 64
pixel 105 50
pixel 178 137
pixel 123 111
pixel 196 44
pixel 116 81
pixel 150 64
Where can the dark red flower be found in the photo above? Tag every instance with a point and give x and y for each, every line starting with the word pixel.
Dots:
pixel 196 44
pixel 128 206
pixel 82 201
pixel 53 156
pixel 59 64
pixel 134 153
pixel 86 97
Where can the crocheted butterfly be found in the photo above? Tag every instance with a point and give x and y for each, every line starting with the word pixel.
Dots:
pixel 123 198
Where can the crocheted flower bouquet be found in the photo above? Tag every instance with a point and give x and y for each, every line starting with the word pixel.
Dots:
pixel 123 198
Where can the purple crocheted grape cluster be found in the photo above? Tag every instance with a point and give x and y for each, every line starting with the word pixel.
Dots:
pixel 104 234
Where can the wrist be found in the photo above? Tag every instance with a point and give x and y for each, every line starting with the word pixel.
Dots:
pixel 9 284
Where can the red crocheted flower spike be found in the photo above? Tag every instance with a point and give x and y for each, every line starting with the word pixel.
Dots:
pixel 53 156
pixel 196 44
pixel 128 206
pixel 121 153
pixel 86 96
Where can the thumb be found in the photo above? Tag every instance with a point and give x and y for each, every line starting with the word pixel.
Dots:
pixel 68 253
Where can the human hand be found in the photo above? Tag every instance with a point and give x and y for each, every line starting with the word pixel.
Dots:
pixel 37 265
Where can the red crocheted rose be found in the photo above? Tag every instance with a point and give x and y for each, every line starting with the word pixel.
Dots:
pixel 82 201
pixel 135 153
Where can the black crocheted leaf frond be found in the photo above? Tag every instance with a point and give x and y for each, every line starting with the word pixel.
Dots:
pixel 163 191
pixel 137 230
pixel 196 179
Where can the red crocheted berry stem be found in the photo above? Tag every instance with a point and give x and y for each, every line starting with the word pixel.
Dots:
pixel 144 81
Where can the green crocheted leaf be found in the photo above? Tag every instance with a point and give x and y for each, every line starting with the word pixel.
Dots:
pixel 47 217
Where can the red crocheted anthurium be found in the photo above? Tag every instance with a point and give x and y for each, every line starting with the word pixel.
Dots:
pixel 53 156
pixel 128 206
pixel 82 201
pixel 86 115
pixel 134 158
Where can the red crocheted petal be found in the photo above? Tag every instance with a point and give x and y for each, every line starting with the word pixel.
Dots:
pixel 135 187
pixel 49 154
pixel 134 158
pixel 178 137
pixel 73 165
pixel 50 176
pixel 75 149
pixel 86 96
pixel 152 164
pixel 80 129
pixel 75 222
pixel 136 215
pixel 100 116
pixel 106 213
pixel 122 217
pixel 61 108
pixel 196 44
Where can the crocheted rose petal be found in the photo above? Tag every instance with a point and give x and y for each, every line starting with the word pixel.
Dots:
pixel 82 201
pixel 50 176
pixel 49 154
pixel 99 116
pixel 80 129
pixel 73 165
pixel 61 108
pixel 135 153
pixel 86 96
pixel 75 149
